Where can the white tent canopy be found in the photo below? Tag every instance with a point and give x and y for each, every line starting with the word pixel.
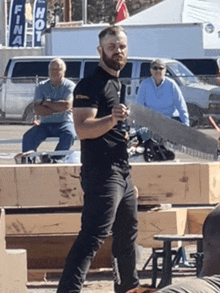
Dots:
pixel 178 11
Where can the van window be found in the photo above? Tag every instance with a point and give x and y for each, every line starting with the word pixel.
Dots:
pixel 180 73
pixel 126 71
pixel 201 66
pixel 90 67
pixel 28 70
pixel 40 68
pixel 73 69
pixel 145 70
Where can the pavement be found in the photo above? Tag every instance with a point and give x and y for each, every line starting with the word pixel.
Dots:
pixel 10 143
pixel 11 136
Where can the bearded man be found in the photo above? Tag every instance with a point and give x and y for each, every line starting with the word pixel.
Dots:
pixel 110 205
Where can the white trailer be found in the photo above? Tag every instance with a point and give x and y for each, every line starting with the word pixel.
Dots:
pixel 182 40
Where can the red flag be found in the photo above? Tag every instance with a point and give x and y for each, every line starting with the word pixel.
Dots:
pixel 122 10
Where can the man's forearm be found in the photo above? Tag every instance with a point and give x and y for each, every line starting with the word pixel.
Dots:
pixel 94 128
pixel 88 126
pixel 59 106
pixel 42 110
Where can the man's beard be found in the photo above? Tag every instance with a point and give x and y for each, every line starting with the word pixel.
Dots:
pixel 114 64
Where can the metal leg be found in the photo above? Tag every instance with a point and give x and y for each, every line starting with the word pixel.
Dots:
pixel 167 266
pixel 147 262
pixel 154 272
pixel 154 256
pixel 199 259
pixel 200 245
pixel 156 253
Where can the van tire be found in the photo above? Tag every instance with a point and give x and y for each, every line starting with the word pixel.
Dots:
pixel 29 113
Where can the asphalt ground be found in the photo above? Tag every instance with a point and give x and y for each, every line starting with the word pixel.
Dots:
pixel 10 143
pixel 11 136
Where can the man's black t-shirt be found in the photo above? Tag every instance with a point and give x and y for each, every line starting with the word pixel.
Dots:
pixel 101 91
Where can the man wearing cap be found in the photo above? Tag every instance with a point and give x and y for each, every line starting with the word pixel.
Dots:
pixel 162 94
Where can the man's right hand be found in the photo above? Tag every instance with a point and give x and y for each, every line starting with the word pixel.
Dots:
pixel 120 112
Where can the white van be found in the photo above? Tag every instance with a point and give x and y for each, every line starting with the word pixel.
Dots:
pixel 23 73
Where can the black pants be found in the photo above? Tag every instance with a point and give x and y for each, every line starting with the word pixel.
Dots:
pixel 109 207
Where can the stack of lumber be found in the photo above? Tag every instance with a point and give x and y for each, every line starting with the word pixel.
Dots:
pixel 43 206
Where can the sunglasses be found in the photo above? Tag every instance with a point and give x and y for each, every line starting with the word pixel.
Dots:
pixel 158 68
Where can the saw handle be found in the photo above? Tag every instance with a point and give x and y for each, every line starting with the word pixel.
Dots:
pixel 214 124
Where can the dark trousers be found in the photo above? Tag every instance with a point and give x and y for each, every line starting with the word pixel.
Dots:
pixel 109 207
pixel 37 134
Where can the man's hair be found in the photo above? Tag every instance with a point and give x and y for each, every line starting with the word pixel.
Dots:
pixel 112 30
pixel 59 61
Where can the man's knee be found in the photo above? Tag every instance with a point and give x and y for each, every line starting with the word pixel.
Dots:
pixel 27 136
pixel 32 138
pixel 68 136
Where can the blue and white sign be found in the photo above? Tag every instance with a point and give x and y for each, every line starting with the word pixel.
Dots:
pixel 39 21
pixel 17 26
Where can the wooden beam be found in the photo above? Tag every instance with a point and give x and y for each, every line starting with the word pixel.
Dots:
pixel 59 185
pixel 171 221
pixel 196 218
pixel 49 252
pixel 13 264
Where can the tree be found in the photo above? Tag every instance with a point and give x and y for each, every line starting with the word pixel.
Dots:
pixel 98 11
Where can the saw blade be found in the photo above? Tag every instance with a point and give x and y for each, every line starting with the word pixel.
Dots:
pixel 186 139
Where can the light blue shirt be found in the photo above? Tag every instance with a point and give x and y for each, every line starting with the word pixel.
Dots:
pixel 45 91
pixel 166 98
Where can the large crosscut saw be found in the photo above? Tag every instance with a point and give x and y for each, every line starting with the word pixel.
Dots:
pixel 183 138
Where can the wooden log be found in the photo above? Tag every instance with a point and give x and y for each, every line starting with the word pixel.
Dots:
pixel 171 183
pixel 45 251
pixel 40 185
pixel 170 221
pixel 16 270
pixel 59 185
pixel 173 221
pixel 2 251
pixel 54 223
pixel 214 182
pixel 48 237
pixel 196 218
pixel 13 264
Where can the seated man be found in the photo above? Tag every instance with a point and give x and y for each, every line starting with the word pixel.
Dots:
pixel 53 102
pixel 209 280
pixel 162 94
